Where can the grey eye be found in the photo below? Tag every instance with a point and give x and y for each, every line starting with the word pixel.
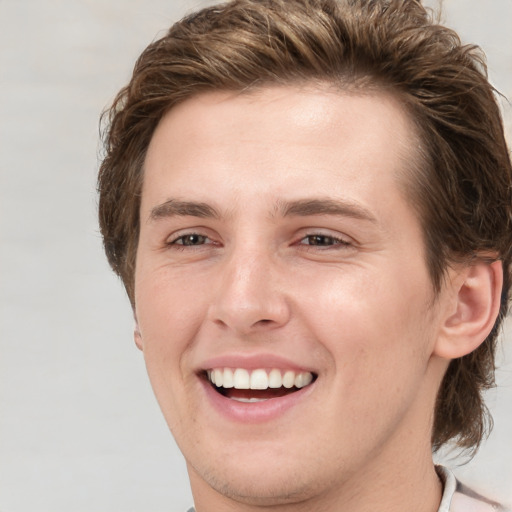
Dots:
pixel 192 239
pixel 320 240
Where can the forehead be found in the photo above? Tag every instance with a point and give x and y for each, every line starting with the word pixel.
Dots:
pixel 294 136
pixel 310 107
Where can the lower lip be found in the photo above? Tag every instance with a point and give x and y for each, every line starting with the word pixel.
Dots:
pixel 254 412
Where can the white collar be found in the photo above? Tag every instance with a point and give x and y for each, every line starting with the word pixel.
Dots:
pixel 459 498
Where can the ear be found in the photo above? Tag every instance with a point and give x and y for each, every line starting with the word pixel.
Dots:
pixel 474 307
pixel 137 337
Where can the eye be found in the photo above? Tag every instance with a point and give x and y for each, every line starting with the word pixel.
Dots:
pixel 190 240
pixel 323 240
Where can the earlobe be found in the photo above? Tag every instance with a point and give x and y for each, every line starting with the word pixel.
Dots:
pixel 137 336
pixel 475 307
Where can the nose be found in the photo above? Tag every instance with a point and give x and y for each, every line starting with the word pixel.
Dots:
pixel 250 295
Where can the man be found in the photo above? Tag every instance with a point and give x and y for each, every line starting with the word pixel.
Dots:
pixel 309 203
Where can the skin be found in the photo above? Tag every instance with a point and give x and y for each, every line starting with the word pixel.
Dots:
pixel 358 309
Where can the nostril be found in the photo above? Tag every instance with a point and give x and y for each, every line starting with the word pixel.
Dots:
pixel 262 323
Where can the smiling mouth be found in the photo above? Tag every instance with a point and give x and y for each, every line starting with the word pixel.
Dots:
pixel 258 385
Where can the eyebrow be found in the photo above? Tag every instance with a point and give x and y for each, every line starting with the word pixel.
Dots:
pixel 324 206
pixel 300 208
pixel 173 207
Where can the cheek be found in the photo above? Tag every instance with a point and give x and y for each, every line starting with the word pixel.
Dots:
pixel 168 307
pixel 373 325
pixel 169 315
pixel 379 348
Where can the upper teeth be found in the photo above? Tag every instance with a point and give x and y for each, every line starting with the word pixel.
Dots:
pixel 240 378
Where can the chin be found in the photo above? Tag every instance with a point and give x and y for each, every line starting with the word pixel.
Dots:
pixel 263 487
pixel 262 478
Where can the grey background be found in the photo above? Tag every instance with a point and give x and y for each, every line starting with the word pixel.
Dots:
pixel 79 427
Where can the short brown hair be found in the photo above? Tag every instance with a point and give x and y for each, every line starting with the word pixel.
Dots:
pixel 461 188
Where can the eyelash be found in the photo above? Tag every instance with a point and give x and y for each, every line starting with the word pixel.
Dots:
pixel 175 242
pixel 181 242
pixel 334 242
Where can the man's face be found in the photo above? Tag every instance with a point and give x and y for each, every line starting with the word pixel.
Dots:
pixel 276 249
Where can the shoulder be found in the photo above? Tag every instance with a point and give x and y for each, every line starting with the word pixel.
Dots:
pixel 459 498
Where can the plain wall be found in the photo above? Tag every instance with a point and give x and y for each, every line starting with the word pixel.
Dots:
pixel 80 430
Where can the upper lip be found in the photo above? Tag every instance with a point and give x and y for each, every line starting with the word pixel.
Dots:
pixel 253 362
